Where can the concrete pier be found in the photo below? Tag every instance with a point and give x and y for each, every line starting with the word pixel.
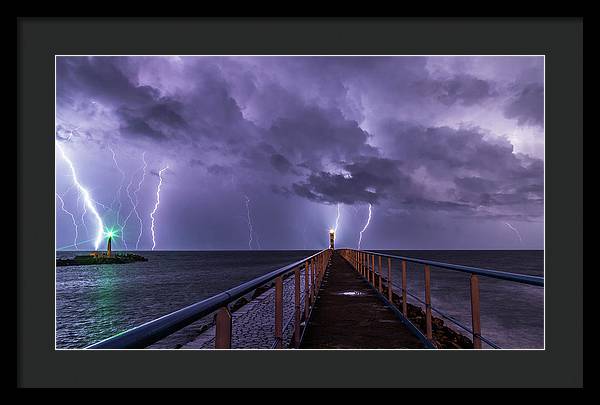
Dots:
pixel 348 314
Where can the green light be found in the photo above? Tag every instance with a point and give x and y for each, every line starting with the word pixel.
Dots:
pixel 110 233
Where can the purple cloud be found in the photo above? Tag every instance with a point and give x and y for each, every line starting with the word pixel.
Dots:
pixel 412 135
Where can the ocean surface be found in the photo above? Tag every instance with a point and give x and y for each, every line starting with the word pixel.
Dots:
pixel 96 302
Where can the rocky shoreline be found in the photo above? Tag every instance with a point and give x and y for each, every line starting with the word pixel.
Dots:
pixel 93 260
pixel 443 336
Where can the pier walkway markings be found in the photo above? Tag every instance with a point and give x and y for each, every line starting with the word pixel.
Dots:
pixel 348 314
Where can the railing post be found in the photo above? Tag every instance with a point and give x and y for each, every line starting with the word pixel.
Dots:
pixel 428 302
pixel 364 265
pixel 361 263
pixel 404 304
pixel 316 275
pixel 373 270
pixel 317 272
pixel 313 293
pixel 279 312
pixel 306 290
pixel 223 329
pixel 358 267
pixel 297 307
pixel 320 270
pixel 374 275
pixel 380 274
pixel 390 296
pixel 475 316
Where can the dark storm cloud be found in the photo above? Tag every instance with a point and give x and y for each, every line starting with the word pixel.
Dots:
pixel 219 170
pixel 493 174
pixel 132 124
pixel 197 162
pixel 443 149
pixel 527 106
pixel 280 163
pixel 141 109
pixel 313 135
pixel 464 89
pixel 424 204
pixel 101 78
pixel 281 190
pixel 475 184
pixel 350 130
pixel 365 181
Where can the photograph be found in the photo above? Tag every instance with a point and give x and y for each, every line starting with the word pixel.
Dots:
pixel 332 202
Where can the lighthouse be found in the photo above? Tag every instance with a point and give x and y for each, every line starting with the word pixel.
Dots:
pixel 108 246
pixel 331 239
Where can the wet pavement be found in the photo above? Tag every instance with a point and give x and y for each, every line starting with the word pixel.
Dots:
pixel 349 315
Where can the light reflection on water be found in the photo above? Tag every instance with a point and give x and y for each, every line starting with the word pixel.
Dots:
pixel 96 302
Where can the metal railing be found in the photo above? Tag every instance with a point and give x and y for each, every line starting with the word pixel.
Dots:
pixel 150 332
pixel 364 263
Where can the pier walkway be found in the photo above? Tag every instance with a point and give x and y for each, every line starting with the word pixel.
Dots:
pixel 348 314
pixel 333 299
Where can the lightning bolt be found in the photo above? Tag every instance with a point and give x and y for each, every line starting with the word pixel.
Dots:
pixel 515 231
pixel 134 201
pixel 365 228
pixel 84 211
pixel 337 222
pixel 250 230
pixel 86 198
pixel 62 202
pixel 68 246
pixel 118 195
pixel 130 211
pixel 160 179
pixel 106 207
pixel 139 186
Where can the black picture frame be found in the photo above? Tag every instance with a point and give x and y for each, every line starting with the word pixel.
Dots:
pixel 559 365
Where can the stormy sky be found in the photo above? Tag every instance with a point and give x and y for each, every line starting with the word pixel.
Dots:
pixel 263 151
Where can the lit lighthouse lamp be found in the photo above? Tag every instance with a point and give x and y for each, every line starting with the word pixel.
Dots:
pixel 331 238
pixel 109 243
pixel 109 234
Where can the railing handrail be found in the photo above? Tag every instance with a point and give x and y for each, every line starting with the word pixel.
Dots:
pixel 152 331
pixel 502 275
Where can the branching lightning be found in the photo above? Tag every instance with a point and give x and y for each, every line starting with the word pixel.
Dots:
pixel 133 199
pixel 106 207
pixel 118 195
pixel 84 211
pixel 337 222
pixel 365 228
pixel 89 203
pixel 130 211
pixel 160 179
pixel 139 186
pixel 515 231
pixel 62 202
